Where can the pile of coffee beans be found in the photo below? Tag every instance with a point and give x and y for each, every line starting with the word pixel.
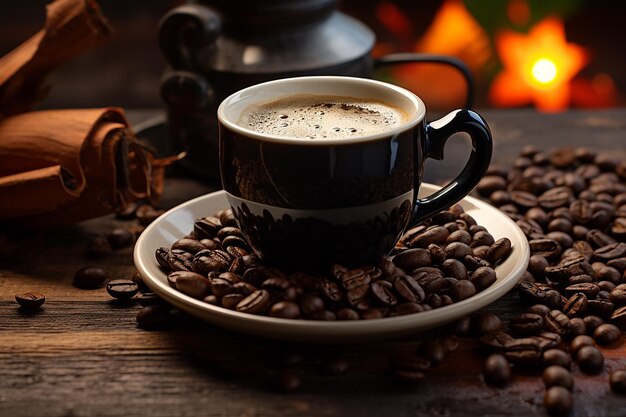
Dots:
pixel 571 205
pixel 448 259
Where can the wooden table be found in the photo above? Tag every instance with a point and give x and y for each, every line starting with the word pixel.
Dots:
pixel 83 355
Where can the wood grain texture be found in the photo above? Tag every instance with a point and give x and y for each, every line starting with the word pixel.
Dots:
pixel 83 355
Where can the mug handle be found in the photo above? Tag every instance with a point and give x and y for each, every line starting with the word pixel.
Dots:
pixel 437 134
pixel 457 64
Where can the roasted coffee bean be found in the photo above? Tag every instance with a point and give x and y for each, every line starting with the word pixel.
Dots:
pixel 483 277
pixel 403 309
pixel 618 317
pixel 30 300
pixel 231 300
pixel 210 260
pixel 489 184
pixel 609 252
pixel 485 323
pixel 499 250
pixel 180 260
pixel 383 293
pixel 526 323
pixel 347 314
pixel 575 305
pixel 599 239
pixel 600 307
pixel 618 295
pixel 354 278
pixel 578 327
pixel 558 401
pixel 372 313
pixel 579 342
pixel 555 197
pixel 192 284
pixel 149 299
pixel 607 334
pixel 310 304
pixel 411 259
pixel 617 380
pixel 497 370
pixel 454 268
pixel 523 199
pixel 539 309
pixel 436 235
pixel 330 290
pixel 162 257
pixel 556 357
pixel 192 246
pixel 524 351
pixel 89 277
pixel 589 289
pixel 285 309
pixel 532 293
pixel 122 289
pixel 557 376
pixel 546 340
pixel 564 240
pixel 482 238
pixel 235 242
pixel 462 290
pixel 206 228
pixel 590 360
pixel 120 238
pixel 154 317
pixel 537 265
pixel 358 298
pixel 492 341
pixel 457 250
pixel 619 264
pixel 557 322
pixel 591 323
pixel 324 315
pixel 472 262
pixel 255 303
pixel 606 286
pixel 462 236
pixel 211 299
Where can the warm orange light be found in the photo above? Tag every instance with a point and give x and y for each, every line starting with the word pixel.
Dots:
pixel 544 71
pixel 453 32
pixel 538 67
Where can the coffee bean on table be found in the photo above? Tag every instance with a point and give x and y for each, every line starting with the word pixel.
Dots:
pixel 558 401
pixel 557 376
pixel 122 289
pixel 148 299
pixel 578 327
pixel 607 334
pixel 579 342
pixel 485 323
pixel 557 357
pixel 497 370
pixel 89 277
pixel 557 322
pixel 526 323
pixel 120 238
pixel 30 300
pixel 617 380
pixel 590 360
pixel 154 317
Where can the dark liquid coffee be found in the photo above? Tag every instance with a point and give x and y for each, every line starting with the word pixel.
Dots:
pixel 322 117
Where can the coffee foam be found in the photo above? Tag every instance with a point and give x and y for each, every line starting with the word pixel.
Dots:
pixel 322 117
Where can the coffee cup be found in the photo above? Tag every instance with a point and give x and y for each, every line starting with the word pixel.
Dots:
pixel 326 170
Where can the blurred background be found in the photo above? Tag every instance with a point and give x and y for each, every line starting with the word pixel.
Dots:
pixel 550 55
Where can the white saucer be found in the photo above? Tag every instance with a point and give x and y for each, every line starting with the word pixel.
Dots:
pixel 179 221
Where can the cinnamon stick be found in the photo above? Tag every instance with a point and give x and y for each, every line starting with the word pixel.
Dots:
pixel 71 27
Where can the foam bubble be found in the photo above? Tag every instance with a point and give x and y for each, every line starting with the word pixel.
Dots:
pixel 319 117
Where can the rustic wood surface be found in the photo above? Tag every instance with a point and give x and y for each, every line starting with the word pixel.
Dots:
pixel 83 355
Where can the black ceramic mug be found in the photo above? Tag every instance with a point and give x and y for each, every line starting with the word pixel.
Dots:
pixel 307 203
